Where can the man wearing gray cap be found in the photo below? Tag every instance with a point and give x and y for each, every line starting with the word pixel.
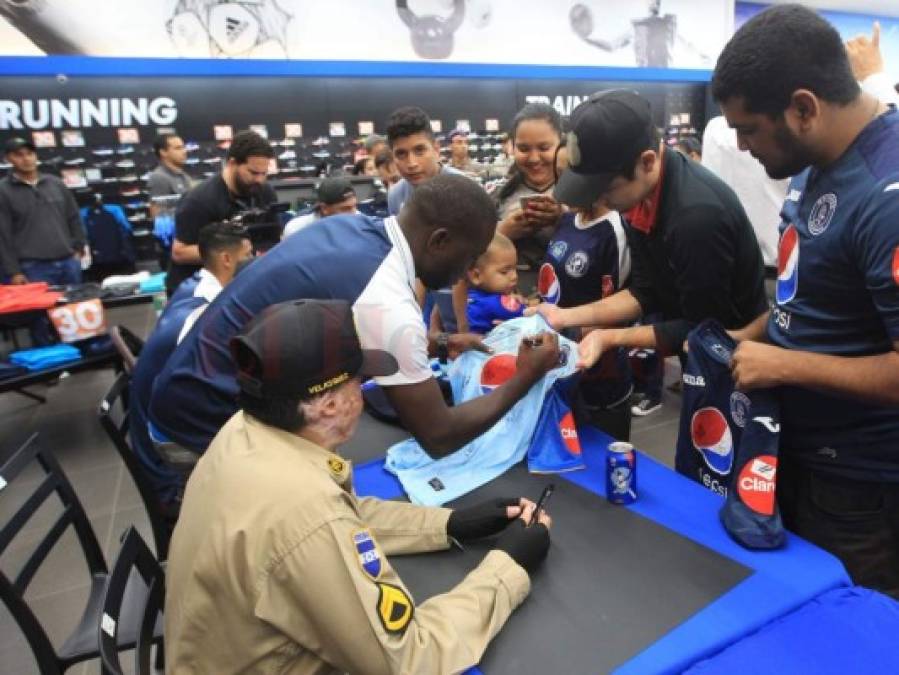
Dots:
pixel 694 253
pixel 277 565
pixel 41 235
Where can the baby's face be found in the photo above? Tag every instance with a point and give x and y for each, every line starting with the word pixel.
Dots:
pixel 498 274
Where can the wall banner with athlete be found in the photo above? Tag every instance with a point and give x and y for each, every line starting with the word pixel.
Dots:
pixel 655 33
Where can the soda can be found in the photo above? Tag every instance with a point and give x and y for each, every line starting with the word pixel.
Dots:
pixel 621 473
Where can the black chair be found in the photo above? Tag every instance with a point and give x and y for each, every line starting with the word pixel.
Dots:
pixel 115 405
pixel 81 645
pixel 127 344
pixel 146 622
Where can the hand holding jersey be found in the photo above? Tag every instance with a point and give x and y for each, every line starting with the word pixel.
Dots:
pixel 757 365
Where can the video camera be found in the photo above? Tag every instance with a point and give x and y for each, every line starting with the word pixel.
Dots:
pixel 264 224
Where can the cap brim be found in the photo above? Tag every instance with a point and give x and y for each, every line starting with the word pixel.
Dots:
pixel 19 146
pixel 581 190
pixel 378 363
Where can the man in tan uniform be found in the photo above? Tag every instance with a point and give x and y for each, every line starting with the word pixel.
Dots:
pixel 276 566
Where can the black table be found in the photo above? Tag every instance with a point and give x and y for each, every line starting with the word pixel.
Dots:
pixel 19 384
pixel 653 587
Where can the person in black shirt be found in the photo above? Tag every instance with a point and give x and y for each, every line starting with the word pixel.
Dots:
pixel 240 186
pixel 693 250
pixel 41 235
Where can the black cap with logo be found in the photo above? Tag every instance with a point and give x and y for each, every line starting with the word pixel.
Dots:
pixel 608 132
pixel 334 190
pixel 303 348
pixel 18 143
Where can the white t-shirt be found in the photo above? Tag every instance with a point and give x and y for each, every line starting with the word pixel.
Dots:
pixel 207 288
pixel 762 197
pixel 298 223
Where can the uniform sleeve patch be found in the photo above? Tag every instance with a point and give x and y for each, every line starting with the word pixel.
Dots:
pixel 367 553
pixel 395 608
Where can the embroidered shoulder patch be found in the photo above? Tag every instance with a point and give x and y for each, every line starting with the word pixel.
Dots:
pixel 395 608
pixel 367 553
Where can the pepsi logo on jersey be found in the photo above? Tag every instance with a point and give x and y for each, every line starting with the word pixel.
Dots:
pixel 788 265
pixel 548 284
pixel 712 437
pixel 496 371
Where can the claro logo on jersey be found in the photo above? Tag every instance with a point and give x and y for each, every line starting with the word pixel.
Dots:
pixel 757 482
pixel 788 265
pixel 82 113
pixel 568 431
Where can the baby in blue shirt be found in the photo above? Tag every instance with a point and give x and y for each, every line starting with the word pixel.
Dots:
pixel 492 281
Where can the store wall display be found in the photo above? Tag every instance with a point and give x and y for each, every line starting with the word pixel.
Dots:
pixel 312 121
pixel 651 33
pixel 96 107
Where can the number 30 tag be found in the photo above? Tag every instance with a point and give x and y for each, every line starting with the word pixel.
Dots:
pixel 79 320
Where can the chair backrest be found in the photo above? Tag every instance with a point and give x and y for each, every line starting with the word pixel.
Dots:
pixel 133 556
pixel 127 344
pixel 114 406
pixel 13 590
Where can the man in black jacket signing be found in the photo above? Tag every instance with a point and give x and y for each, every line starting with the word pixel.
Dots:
pixel 694 252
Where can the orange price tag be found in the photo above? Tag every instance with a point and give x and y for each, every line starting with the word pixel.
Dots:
pixel 79 320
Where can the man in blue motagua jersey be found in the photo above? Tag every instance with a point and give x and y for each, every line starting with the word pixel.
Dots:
pixel 831 341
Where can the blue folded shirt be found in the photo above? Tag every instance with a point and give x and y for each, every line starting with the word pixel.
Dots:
pixel 155 284
pixel 42 358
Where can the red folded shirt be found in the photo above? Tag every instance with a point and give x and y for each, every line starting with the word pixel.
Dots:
pixel 27 296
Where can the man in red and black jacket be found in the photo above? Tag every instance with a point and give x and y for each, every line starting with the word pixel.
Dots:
pixel 694 252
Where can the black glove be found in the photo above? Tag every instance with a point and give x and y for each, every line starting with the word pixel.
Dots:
pixel 525 545
pixel 481 520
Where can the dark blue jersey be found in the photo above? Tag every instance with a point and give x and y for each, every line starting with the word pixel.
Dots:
pixel 728 440
pixel 712 413
pixel 485 308
pixel 838 293
pixel 585 263
pixel 364 261
pixel 185 289
pixel 153 357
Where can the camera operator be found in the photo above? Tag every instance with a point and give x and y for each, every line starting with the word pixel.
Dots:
pixel 240 186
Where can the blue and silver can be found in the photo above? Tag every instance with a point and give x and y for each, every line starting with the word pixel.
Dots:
pixel 621 473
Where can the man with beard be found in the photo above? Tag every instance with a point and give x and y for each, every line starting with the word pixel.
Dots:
pixel 240 186
pixel 445 225
pixel 831 343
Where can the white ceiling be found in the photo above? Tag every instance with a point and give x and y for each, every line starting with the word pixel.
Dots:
pixel 881 7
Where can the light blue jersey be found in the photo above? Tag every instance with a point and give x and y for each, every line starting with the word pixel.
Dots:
pixel 434 482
